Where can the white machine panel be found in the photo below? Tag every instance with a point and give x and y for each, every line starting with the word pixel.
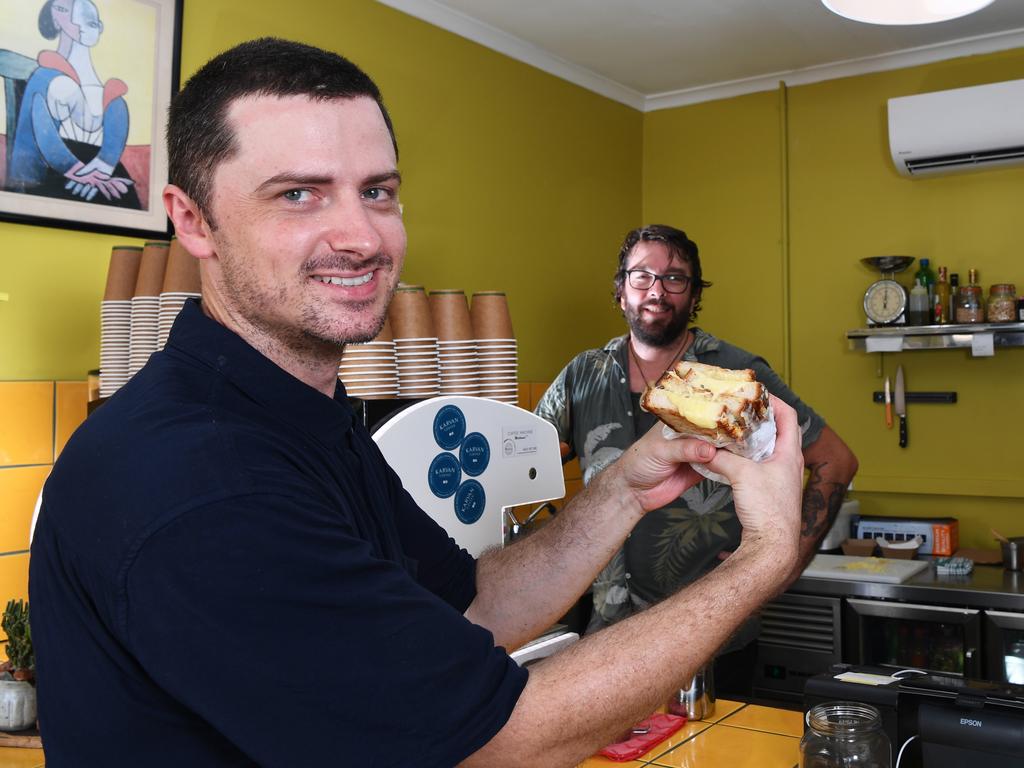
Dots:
pixel 464 459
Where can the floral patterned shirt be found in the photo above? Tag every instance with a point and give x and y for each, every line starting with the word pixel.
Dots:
pixel 592 408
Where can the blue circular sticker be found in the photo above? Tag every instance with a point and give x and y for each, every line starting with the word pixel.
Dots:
pixel 475 454
pixel 449 427
pixel 470 501
pixel 444 475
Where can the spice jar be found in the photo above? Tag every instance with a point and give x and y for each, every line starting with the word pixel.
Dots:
pixel 844 734
pixel 969 308
pixel 1002 303
pixel 1020 309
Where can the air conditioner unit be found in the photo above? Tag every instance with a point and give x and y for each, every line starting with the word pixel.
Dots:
pixel 963 129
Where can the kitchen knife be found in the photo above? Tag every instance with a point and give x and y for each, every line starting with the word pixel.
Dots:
pixel 900 398
pixel 888 405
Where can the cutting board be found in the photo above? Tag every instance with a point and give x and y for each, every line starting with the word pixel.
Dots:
pixel 28 738
pixel 886 570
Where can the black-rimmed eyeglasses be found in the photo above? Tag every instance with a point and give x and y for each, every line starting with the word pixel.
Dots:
pixel 641 279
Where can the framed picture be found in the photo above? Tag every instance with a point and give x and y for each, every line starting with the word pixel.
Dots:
pixel 86 87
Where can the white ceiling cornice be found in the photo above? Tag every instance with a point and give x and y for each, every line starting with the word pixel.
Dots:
pixel 491 37
pixel 517 48
pixel 1000 41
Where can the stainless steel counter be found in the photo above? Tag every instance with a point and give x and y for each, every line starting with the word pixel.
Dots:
pixel 989 586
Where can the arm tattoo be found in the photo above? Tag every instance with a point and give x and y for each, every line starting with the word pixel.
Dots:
pixel 821 502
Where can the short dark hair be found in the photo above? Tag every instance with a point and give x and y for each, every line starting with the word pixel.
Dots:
pixel 47 27
pixel 199 137
pixel 678 244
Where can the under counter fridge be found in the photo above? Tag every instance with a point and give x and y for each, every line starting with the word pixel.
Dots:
pixel 1004 646
pixel 896 635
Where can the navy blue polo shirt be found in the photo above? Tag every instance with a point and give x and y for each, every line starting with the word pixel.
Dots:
pixel 225 572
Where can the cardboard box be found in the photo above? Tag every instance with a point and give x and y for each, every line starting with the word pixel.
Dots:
pixel 941 535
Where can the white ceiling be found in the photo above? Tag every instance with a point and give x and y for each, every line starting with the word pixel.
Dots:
pixel 654 54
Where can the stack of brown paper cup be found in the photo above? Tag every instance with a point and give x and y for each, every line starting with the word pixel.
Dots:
pixel 116 317
pixel 409 314
pixel 490 316
pixel 496 348
pixel 456 349
pixel 146 305
pixel 368 370
pixel 415 343
pixel 450 313
pixel 418 375
pixel 181 283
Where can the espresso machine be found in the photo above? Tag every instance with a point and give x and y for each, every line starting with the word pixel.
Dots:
pixel 467 461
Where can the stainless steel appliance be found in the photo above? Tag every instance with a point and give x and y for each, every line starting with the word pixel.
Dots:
pixel 897 635
pixel 800 637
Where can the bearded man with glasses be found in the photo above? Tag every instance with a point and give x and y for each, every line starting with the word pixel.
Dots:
pixel 594 404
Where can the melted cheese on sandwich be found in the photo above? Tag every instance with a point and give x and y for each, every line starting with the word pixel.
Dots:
pixel 698 410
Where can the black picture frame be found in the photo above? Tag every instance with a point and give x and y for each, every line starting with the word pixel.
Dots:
pixel 87 113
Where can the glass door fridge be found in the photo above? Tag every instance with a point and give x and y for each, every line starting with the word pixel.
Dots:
pixel 1004 646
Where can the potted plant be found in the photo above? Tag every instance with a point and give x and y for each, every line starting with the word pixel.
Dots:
pixel 17 693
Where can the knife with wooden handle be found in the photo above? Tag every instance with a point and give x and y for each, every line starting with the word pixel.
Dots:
pixel 888 405
pixel 900 398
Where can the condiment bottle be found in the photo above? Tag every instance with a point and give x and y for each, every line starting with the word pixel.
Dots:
pixel 941 298
pixel 917 312
pixel 927 277
pixel 1020 309
pixel 1002 303
pixel 954 288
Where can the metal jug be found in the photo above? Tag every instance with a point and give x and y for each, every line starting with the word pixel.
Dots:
pixel 697 700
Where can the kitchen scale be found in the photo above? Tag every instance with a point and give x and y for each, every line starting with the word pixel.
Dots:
pixel 885 300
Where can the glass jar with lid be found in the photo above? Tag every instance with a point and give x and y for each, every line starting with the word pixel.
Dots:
pixel 845 734
pixel 969 308
pixel 1002 303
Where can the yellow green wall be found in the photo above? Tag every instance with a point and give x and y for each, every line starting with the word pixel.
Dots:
pixel 713 169
pixel 799 182
pixel 514 180
pixel 517 180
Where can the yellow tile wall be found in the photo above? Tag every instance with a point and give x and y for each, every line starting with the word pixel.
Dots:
pixel 19 488
pixel 26 416
pixel 36 420
pixel 70 402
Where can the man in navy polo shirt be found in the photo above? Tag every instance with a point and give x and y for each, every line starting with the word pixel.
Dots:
pixel 226 572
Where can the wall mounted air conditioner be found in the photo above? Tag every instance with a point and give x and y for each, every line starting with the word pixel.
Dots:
pixel 965 129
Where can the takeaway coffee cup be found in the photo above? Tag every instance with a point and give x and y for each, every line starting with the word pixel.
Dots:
pixel 409 314
pixel 450 313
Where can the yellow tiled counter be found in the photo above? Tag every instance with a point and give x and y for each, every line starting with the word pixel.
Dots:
pixel 737 735
pixel 11 757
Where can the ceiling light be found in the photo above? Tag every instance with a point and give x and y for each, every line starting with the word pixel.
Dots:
pixel 904 11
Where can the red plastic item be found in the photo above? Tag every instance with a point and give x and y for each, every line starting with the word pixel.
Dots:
pixel 661 727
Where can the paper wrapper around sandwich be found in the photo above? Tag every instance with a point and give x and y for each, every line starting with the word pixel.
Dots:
pixel 757 446
pixel 728 408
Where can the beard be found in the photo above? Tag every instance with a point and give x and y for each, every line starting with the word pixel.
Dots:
pixel 662 332
pixel 316 332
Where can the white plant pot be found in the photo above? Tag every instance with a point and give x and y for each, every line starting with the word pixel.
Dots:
pixel 17 705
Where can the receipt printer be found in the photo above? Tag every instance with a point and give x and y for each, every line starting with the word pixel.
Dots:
pixel 967 722
pixel 955 722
